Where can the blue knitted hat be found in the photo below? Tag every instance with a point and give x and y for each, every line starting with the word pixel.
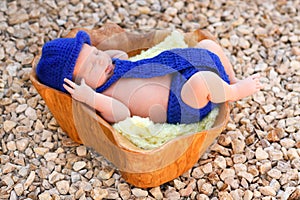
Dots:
pixel 59 58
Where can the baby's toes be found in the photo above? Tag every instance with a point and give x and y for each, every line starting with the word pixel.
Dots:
pixel 257 75
pixel 258 85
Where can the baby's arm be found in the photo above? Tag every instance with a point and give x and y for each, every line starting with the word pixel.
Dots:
pixel 110 109
pixel 117 54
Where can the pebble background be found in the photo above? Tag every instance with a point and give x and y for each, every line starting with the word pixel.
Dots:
pixel 256 157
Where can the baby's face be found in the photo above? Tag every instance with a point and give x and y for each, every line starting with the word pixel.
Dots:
pixel 94 65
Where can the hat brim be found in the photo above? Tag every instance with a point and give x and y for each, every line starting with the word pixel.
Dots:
pixel 80 39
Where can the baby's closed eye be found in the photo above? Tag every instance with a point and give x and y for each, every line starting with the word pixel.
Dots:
pixel 97 52
pixel 93 67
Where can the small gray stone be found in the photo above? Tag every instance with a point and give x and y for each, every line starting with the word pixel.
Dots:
pixel 22 144
pixel 206 189
pixel 240 167
pixel 179 184
pixel 98 193
pixel 276 155
pixel 75 177
pixel 185 192
pixel 2 54
pixel 124 191
pixel 38 125
pixel 8 125
pixel 105 173
pixel 23 171
pixel 63 186
pixel 50 156
pixel 19 189
pixel 7 168
pixel 55 176
pixel 207 168
pixel 79 165
pixel 41 150
pixel 81 151
pixel 45 196
pixel 171 11
pixel 31 113
pixel 227 173
pixel 13 195
pixel 11 146
pixel 156 193
pixel 7 180
pixel 238 146
pixel 172 194
pixel 260 154
pixel 224 195
pixel 268 42
pixel 274 173
pixel 46 134
pixel 287 143
pixel 292 153
pixel 112 193
pixel 225 140
pixel 139 192
pixel 48 145
pixel 21 108
pixel 275 185
pixel 267 191
pixel 197 173
pixel 239 158
pixel 248 195
pixel 220 161
pixel 29 180
pixel 268 108
pixel 248 176
pixel 265 167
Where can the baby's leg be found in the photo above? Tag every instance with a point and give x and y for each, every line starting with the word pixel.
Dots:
pixel 217 49
pixel 207 86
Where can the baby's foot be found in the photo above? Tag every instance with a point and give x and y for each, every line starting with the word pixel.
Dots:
pixel 246 87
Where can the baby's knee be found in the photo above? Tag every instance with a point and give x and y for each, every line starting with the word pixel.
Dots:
pixel 209 45
pixel 195 92
pixel 205 43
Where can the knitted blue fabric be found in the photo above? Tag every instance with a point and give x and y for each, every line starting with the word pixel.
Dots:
pixel 183 63
pixel 59 58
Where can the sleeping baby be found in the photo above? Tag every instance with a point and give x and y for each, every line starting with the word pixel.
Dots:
pixel 180 85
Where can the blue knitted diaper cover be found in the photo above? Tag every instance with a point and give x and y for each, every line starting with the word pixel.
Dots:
pixel 182 63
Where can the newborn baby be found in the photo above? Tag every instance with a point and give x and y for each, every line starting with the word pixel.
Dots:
pixel 176 86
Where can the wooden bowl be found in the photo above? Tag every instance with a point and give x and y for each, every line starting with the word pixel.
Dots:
pixel 141 168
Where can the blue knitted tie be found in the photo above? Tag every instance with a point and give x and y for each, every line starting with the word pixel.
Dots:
pixel 183 62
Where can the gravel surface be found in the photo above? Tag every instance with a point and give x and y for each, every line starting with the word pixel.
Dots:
pixel 256 157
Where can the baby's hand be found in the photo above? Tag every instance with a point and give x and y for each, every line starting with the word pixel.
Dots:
pixel 82 92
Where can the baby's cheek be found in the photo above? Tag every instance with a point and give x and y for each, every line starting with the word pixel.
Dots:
pixel 100 80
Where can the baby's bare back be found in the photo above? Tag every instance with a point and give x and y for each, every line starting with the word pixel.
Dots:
pixel 144 97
